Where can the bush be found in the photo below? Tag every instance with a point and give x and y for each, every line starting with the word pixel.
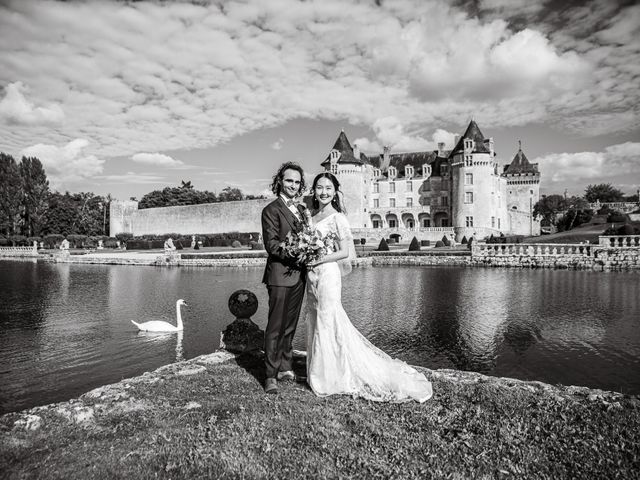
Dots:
pixel 18 240
pixel 110 242
pixel 257 246
pixel 439 243
pixel 626 229
pixel 124 237
pixel 4 242
pixel 383 246
pixel 445 241
pixel 53 240
pixel 30 240
pixel 464 240
pixel 236 244
pixel 76 241
pixel 414 246
pixel 425 243
pixel 616 217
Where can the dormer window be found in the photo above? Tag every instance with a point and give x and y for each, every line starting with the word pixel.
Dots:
pixel 408 171
pixel 376 172
pixel 334 168
pixel 393 172
pixel 468 144
pixel 426 170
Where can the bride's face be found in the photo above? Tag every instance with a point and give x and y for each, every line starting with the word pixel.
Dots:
pixel 325 191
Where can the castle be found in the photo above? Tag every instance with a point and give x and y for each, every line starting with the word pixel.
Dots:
pixel 459 193
pixel 462 192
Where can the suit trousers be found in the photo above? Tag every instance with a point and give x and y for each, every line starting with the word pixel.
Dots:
pixel 285 304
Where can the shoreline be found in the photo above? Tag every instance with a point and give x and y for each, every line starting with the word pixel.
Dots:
pixel 214 404
pixel 624 260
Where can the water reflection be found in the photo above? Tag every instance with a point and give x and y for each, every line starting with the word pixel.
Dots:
pixel 67 328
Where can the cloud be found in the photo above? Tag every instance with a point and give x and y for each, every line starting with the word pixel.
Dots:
pixel 277 145
pixel 391 132
pixel 16 109
pixel 133 178
pixel 163 76
pixel 157 159
pixel 616 161
pixel 66 165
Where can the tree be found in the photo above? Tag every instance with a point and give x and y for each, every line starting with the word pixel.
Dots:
pixel 603 192
pixel 10 194
pixel 230 194
pixel 77 213
pixel 548 207
pixel 578 213
pixel 35 194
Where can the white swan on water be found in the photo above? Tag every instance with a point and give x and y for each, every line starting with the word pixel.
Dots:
pixel 161 326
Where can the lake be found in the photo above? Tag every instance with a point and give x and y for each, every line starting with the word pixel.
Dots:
pixel 66 329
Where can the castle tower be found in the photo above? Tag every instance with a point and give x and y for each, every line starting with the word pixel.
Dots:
pixel 522 193
pixel 475 186
pixel 354 173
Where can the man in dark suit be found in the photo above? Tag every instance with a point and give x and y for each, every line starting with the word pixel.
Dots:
pixel 284 276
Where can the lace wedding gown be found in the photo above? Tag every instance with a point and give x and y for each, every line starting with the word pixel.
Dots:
pixel 340 360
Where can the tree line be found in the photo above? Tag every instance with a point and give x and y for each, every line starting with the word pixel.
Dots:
pixel 29 210
pixel 569 212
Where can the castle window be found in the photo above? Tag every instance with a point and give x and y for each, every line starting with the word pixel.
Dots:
pixel 426 170
pixel 376 172
pixel 408 171
pixel 426 223
pixel 376 187
pixel 392 223
pixel 468 144
pixel 469 221
pixel 468 178
pixel 409 202
pixel 493 222
pixel 444 201
pixel 468 197
pixel 393 173
pixel 468 161
pixel 392 187
pixel 409 186
pixel 392 202
pixel 444 169
pixel 498 224
pixel 376 224
pixel 376 203
pixel 531 192
pixel 334 168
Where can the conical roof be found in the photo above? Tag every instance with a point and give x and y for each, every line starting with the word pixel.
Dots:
pixel 472 132
pixel 520 165
pixel 346 151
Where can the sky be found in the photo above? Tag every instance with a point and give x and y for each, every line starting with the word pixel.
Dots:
pixel 123 98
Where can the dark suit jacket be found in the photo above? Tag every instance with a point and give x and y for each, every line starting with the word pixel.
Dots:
pixel 277 221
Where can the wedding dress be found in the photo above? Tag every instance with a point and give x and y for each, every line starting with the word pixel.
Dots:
pixel 340 360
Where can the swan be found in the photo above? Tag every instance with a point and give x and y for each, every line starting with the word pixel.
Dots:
pixel 161 326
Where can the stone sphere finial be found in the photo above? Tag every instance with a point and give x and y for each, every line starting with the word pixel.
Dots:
pixel 243 303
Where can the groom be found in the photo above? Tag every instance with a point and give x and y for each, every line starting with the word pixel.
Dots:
pixel 284 277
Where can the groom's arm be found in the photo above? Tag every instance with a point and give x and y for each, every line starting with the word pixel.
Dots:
pixel 271 235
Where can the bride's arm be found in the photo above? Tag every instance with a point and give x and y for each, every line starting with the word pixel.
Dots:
pixel 341 253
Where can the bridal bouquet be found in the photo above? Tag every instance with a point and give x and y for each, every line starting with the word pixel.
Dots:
pixel 308 245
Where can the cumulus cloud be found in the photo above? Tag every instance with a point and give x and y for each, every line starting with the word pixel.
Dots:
pixel 68 164
pixel 615 161
pixel 157 159
pixel 162 76
pixel 391 132
pixel 277 145
pixel 15 108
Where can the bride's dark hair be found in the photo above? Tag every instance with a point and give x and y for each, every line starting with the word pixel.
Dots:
pixel 335 202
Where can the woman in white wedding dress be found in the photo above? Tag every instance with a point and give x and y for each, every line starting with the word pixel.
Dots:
pixel 340 360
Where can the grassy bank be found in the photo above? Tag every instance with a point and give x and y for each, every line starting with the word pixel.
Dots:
pixel 206 419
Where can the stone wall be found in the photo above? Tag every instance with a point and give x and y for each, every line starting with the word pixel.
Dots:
pixel 223 217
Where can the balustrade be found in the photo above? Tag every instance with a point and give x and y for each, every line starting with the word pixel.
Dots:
pixel 620 241
pixel 18 251
pixel 529 250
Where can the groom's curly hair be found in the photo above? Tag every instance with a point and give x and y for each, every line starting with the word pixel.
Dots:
pixel 276 185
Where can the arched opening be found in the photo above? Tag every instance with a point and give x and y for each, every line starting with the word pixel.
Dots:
pixel 392 220
pixel 408 220
pixel 376 221
pixel 441 219
pixel 424 219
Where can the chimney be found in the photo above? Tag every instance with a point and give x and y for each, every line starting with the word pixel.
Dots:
pixel 385 159
pixel 356 151
pixel 488 143
pixel 440 149
pixel 456 139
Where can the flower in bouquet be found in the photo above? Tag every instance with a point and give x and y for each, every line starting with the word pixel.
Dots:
pixel 308 245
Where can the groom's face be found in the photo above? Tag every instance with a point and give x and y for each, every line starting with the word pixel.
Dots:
pixel 291 181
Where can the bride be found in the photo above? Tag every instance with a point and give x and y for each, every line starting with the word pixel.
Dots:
pixel 340 360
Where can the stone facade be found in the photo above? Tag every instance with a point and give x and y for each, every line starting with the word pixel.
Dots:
pixel 464 189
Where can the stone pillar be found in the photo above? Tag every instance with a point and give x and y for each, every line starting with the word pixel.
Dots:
pixel 242 335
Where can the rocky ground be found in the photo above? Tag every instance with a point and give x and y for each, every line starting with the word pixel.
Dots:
pixel 209 418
